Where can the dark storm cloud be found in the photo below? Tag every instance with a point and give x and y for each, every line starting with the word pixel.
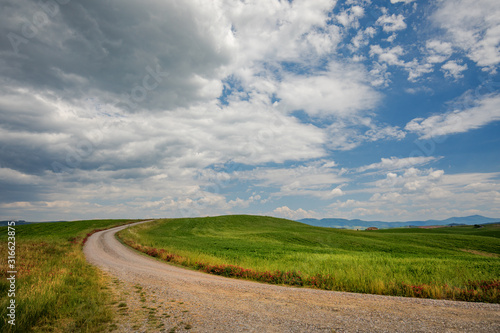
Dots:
pixel 110 46
pixel 15 193
pixel 56 56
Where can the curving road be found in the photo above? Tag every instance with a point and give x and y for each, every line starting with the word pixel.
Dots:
pixel 218 304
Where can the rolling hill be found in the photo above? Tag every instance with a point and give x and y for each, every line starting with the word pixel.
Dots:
pixel 390 262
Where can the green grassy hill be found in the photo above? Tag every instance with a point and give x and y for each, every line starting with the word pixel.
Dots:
pixel 437 263
pixel 56 289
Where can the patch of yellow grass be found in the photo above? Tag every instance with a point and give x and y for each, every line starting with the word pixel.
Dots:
pixel 481 253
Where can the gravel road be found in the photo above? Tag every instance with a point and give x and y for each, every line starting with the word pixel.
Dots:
pixel 216 304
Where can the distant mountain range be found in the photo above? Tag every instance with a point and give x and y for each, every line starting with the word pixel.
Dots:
pixel 353 224
pixel 360 224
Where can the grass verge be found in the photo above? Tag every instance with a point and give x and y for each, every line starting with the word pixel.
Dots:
pixel 56 289
pixel 428 263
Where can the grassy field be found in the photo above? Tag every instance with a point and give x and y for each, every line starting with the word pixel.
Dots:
pixel 57 290
pixel 460 263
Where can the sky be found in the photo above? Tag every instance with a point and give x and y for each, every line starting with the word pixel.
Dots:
pixel 378 110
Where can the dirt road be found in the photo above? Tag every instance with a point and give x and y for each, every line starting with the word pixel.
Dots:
pixel 217 304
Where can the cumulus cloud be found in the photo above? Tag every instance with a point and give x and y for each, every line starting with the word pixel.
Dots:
pixel 119 100
pixel 453 69
pixel 472 26
pixel 393 56
pixel 380 77
pixel 350 17
pixel 420 194
pixel 137 159
pixel 291 214
pixel 416 69
pixel 362 38
pixel 279 30
pixel 392 23
pixel 336 192
pixel 113 107
pixel 411 180
pixel 438 51
pixel 341 91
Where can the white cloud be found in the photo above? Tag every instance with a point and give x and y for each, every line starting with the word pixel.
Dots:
pixel 337 192
pixel 404 1
pixel 73 145
pixel 358 2
pixel 392 23
pixel 474 27
pixel 424 194
pixel 438 51
pixel 391 38
pixel 416 69
pixel 481 186
pixel 344 136
pixel 127 162
pixel 313 179
pixel 341 91
pixel 151 153
pixel 350 17
pixel 454 69
pixel 362 38
pixel 485 111
pixel 380 76
pixel 395 163
pixel 291 214
pixel 13 176
pixel 349 133
pixel 412 180
pixel 393 197
pixel 376 133
pixel 275 30
pixel 321 43
pixel 392 56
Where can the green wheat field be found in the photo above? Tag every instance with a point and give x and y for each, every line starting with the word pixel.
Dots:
pixel 453 262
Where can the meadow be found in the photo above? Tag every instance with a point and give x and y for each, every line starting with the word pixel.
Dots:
pixel 56 289
pixel 460 263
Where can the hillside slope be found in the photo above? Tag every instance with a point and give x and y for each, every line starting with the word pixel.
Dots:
pixel 183 300
pixel 363 261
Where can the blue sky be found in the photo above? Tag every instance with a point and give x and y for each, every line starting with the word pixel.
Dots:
pixel 385 110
